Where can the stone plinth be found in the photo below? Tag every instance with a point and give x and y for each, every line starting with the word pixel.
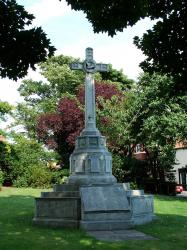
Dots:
pixel 61 208
pixel 142 210
pixel 90 162
pixel 104 208
pixel 94 207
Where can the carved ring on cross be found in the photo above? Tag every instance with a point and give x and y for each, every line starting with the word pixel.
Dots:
pixel 89 66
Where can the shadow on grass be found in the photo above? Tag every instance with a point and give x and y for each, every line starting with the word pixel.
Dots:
pixel 18 233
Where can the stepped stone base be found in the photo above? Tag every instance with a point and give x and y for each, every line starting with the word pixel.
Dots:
pixel 60 208
pixel 108 225
pixel 141 209
pixel 99 207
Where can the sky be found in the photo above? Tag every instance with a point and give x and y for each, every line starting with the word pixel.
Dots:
pixel 71 33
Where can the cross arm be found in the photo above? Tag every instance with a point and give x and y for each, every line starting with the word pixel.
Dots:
pixel 102 67
pixel 76 66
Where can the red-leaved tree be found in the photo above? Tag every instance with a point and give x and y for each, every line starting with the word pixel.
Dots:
pixel 59 130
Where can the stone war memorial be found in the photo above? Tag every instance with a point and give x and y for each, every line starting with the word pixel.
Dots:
pixel 92 199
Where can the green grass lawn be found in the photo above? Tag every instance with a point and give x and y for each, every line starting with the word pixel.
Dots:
pixel 18 233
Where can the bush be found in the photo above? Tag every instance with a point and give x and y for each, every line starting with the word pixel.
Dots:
pixel 5 155
pixel 59 176
pixel 21 181
pixel 1 178
pixel 133 185
pixel 39 177
pixel 27 153
pixel 157 187
pixel 128 169
pixel 118 169
pixel 35 176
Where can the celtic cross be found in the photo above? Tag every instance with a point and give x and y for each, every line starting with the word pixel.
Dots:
pixel 89 66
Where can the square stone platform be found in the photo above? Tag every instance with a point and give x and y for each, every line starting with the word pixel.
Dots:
pixel 96 207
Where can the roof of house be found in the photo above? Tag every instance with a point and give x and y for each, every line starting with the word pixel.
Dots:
pixel 2 138
pixel 179 145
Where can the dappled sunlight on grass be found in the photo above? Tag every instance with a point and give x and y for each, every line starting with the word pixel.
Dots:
pixel 26 193
pixel 86 242
pixel 61 240
pixel 14 233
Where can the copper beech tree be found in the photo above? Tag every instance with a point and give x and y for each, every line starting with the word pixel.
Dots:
pixel 59 130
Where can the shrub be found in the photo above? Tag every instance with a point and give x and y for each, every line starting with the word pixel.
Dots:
pixel 59 176
pixel 41 177
pixel 38 177
pixel 27 153
pixel 118 170
pixel 1 178
pixel 133 185
pixel 158 187
pixel 21 181
pixel 5 153
pixel 35 176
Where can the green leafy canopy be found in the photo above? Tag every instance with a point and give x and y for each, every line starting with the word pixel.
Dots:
pixel 20 47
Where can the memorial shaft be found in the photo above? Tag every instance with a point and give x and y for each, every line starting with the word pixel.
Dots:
pixel 89 66
pixel 90 114
pixel 90 162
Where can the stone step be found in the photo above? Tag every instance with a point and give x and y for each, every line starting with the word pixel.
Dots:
pixel 106 225
pixel 65 187
pixel 58 208
pixel 57 223
pixel 60 194
pixel 106 216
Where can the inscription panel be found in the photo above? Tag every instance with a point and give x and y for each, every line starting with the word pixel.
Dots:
pixel 93 141
pixel 80 165
pixel 110 198
pixel 108 164
pixel 95 164
pixel 82 142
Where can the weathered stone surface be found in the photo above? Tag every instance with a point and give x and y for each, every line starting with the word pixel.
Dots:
pixel 141 204
pixel 100 207
pixel 104 208
pixel 104 198
pixel 107 215
pixel 65 187
pixel 57 223
pixel 142 209
pixel 119 235
pixel 92 179
pixel 60 194
pixel 90 162
pixel 59 208
pixel 126 186
pixel 105 225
